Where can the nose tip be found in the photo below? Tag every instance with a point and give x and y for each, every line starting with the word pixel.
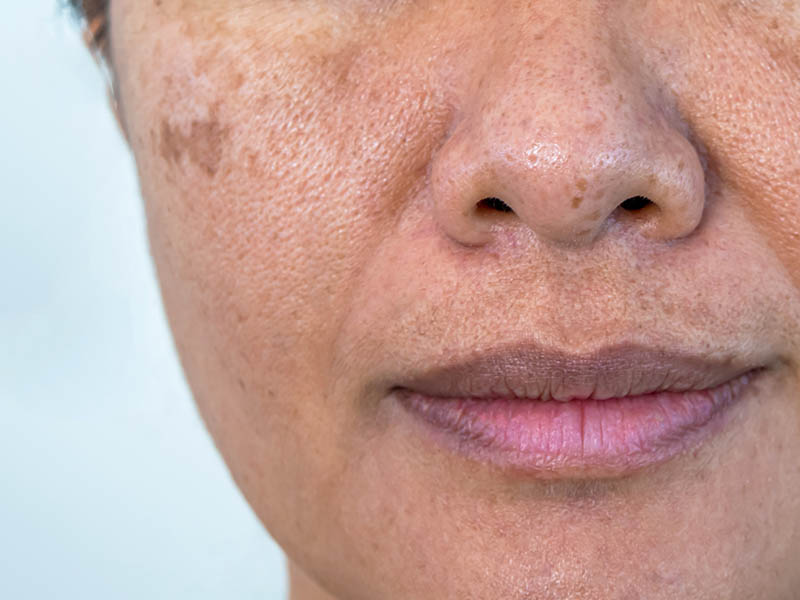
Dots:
pixel 547 144
pixel 570 192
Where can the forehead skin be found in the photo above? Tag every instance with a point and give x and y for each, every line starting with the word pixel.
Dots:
pixel 288 153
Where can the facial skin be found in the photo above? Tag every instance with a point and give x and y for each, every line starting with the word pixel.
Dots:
pixel 312 173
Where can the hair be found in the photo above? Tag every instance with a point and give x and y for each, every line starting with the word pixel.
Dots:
pixel 92 13
pixel 89 9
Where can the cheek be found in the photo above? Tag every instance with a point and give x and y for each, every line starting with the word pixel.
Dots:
pixel 279 182
pixel 734 70
pixel 754 152
pixel 269 181
pixel 743 96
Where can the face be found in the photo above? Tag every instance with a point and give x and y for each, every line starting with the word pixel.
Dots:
pixel 316 177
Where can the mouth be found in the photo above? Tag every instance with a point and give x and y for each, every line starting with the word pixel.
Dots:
pixel 555 415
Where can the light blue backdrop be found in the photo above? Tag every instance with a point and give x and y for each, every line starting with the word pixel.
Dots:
pixel 109 485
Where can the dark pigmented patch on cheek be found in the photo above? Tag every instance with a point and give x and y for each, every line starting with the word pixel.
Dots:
pixel 203 144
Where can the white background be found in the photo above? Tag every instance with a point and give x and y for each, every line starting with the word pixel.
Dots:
pixel 110 487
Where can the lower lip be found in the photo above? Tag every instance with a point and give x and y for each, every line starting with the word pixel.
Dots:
pixel 589 438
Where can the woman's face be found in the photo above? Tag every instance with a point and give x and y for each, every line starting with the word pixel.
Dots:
pixel 315 176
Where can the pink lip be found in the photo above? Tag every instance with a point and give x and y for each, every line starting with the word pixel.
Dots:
pixel 555 416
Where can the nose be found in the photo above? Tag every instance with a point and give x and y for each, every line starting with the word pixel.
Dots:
pixel 570 140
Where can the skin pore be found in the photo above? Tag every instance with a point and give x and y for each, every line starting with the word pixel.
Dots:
pixel 313 172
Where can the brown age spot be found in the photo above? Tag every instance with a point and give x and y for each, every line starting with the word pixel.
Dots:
pixel 582 184
pixel 593 127
pixel 237 80
pixel 576 201
pixel 253 164
pixel 203 145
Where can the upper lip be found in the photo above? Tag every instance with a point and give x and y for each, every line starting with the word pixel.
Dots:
pixel 526 370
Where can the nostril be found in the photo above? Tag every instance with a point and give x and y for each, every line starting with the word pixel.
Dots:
pixel 494 204
pixel 636 203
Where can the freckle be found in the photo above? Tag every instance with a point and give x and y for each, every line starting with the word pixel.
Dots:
pixel 206 140
pixel 187 29
pixel 681 165
pixel 253 164
pixel 582 184
pixel 170 143
pixel 777 54
pixel 238 80
pixel 576 201
pixel 204 62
